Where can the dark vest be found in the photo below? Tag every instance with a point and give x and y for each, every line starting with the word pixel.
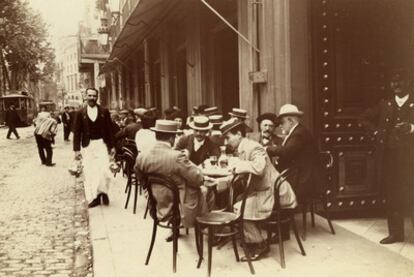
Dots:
pixel 95 128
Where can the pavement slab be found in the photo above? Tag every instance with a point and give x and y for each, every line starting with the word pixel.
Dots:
pixel 44 228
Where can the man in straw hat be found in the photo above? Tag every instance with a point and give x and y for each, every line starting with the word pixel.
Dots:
pixel 163 159
pixel 198 145
pixel 216 135
pixel 259 205
pixel 298 150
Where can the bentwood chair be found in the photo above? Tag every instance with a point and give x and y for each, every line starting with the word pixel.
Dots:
pixel 129 159
pixel 170 221
pixel 281 216
pixel 320 197
pixel 215 224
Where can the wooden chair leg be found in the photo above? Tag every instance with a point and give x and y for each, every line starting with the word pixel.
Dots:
pixel 234 241
pixel 246 252
pixel 135 197
pixel 304 212
pixel 210 250
pixel 154 233
pixel 146 209
pixel 295 231
pixel 328 216
pixel 281 247
pixel 199 235
pixel 175 247
pixel 129 193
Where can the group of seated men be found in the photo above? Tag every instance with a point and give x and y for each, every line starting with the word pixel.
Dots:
pixel 176 148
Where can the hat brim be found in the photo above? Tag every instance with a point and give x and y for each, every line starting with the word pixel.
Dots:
pixel 291 113
pixel 238 116
pixel 192 126
pixel 163 131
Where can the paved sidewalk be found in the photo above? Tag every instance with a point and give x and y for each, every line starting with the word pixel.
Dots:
pixel 120 243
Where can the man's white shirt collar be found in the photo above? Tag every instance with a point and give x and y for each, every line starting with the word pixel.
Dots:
pixel 92 112
pixel 401 100
pixel 198 144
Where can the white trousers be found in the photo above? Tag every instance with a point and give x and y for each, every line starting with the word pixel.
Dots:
pixel 98 176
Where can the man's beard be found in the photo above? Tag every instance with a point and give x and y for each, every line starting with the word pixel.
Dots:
pixel 92 103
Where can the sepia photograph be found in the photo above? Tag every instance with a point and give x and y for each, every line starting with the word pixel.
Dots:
pixel 206 138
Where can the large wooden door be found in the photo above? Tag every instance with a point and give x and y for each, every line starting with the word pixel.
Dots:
pixel 355 44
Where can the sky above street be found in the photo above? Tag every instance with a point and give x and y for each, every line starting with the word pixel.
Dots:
pixel 61 16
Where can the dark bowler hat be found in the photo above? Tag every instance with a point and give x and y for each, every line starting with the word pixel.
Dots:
pixel 216 119
pixel 201 123
pixel 165 126
pixel 211 111
pixel 230 124
pixel 239 113
pixel 269 116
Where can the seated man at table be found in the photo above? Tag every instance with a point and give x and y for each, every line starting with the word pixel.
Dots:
pixel 198 146
pixel 254 160
pixel 300 151
pixel 163 159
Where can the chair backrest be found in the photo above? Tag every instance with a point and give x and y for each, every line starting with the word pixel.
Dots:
pixel 154 180
pixel 283 177
pixel 246 180
pixel 129 145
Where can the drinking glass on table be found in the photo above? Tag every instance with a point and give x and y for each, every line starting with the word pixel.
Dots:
pixel 213 160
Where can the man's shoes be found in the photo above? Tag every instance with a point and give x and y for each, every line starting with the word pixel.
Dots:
pixel 8 137
pixel 170 237
pixel 257 253
pixel 391 239
pixel 50 164
pixel 95 202
pixel 104 198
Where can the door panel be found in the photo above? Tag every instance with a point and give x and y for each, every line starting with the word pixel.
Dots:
pixel 355 44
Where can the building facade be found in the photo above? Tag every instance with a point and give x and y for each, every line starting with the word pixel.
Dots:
pixel 329 57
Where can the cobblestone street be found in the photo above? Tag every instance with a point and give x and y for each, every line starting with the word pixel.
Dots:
pixel 43 217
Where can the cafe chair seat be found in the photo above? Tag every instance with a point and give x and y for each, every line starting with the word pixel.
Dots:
pixel 221 224
pixel 217 218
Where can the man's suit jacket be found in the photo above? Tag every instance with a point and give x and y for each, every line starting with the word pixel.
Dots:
pixel 128 131
pixel 260 201
pixel 300 152
pixel 81 132
pixel 208 149
pixel 394 153
pixel 162 159
pixel 67 119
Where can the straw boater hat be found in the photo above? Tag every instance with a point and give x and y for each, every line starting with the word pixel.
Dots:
pixel 165 126
pixel 216 119
pixel 201 123
pixel 211 111
pixel 289 109
pixel 230 124
pixel 239 113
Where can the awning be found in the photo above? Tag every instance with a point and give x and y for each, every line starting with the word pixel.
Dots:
pixel 147 15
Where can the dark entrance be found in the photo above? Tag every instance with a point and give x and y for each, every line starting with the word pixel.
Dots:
pixel 355 44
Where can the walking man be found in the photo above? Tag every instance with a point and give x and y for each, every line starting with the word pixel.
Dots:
pixel 12 119
pixel 92 132
pixel 391 122
pixel 45 131
pixel 67 122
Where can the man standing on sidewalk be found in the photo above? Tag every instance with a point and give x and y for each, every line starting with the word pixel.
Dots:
pixel 12 119
pixel 92 130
